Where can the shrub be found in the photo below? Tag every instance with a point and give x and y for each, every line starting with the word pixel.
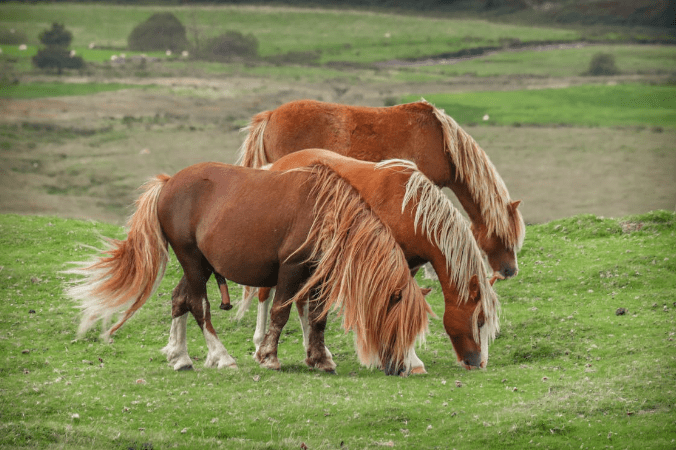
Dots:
pixel 57 58
pixel 55 53
pixel 232 44
pixel 603 64
pixel 162 31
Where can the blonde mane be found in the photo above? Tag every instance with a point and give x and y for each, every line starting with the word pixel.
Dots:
pixel 359 270
pixel 444 226
pixel 252 150
pixel 485 185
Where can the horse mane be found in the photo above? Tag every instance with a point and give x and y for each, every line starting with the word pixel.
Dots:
pixel 444 226
pixel 252 150
pixel 483 181
pixel 358 269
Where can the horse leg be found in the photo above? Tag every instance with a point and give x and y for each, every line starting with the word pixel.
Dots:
pixel 316 351
pixel 177 348
pixel 289 280
pixel 303 311
pixel 197 272
pixel 225 295
pixel 266 354
pixel 261 318
pixel 413 363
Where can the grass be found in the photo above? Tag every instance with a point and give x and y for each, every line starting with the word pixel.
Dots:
pixel 587 105
pixel 340 35
pixel 347 43
pixel 566 371
pixel 564 62
pixel 57 89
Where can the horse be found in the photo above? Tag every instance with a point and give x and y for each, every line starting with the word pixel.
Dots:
pixel 325 242
pixel 418 132
pixel 429 229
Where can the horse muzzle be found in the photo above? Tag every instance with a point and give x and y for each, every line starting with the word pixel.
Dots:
pixel 472 360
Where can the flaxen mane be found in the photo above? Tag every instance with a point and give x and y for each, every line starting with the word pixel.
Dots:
pixel 361 271
pixel 254 140
pixel 485 184
pixel 449 231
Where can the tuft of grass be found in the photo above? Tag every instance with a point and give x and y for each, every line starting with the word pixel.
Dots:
pixel 565 371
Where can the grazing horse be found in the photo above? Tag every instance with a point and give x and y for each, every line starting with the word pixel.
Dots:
pixel 429 229
pixel 418 132
pixel 324 241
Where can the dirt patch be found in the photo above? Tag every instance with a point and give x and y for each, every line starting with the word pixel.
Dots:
pixel 556 171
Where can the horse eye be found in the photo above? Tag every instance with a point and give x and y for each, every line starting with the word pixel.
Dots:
pixel 481 323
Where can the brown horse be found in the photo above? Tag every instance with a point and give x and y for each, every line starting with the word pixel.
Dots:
pixel 428 228
pixel 418 132
pixel 324 241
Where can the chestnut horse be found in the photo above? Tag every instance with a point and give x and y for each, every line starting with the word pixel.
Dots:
pixel 216 219
pixel 429 229
pixel 418 132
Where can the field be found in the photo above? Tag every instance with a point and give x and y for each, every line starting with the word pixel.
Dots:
pixel 592 158
pixel 566 371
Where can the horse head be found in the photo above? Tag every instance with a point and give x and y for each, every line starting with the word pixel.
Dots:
pixel 501 250
pixel 470 325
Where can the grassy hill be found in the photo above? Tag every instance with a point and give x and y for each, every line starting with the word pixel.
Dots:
pixel 586 358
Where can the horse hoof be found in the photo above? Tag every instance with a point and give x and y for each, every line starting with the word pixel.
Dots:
pixel 270 364
pixel 226 307
pixel 182 368
pixel 418 371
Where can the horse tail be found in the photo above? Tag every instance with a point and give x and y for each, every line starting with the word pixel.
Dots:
pixel 252 151
pixel 127 272
pixel 361 271
pixel 248 293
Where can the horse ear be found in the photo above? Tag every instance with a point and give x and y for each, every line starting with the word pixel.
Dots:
pixel 425 291
pixel 473 287
pixel 514 205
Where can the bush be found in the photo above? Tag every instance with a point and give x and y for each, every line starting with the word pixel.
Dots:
pixel 55 54
pixel 162 31
pixel 231 44
pixel 57 58
pixel 603 64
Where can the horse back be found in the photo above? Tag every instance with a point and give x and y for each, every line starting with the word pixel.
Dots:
pixel 409 131
pixel 383 189
pixel 224 213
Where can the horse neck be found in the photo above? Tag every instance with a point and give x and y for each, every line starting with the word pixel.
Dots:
pixel 443 271
pixel 464 196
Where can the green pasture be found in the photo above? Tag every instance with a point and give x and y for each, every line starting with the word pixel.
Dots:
pixel 559 62
pixel 354 36
pixel 587 105
pixel 55 89
pixel 346 43
pixel 568 369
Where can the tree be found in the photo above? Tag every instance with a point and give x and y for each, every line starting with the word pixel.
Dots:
pixel 55 53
